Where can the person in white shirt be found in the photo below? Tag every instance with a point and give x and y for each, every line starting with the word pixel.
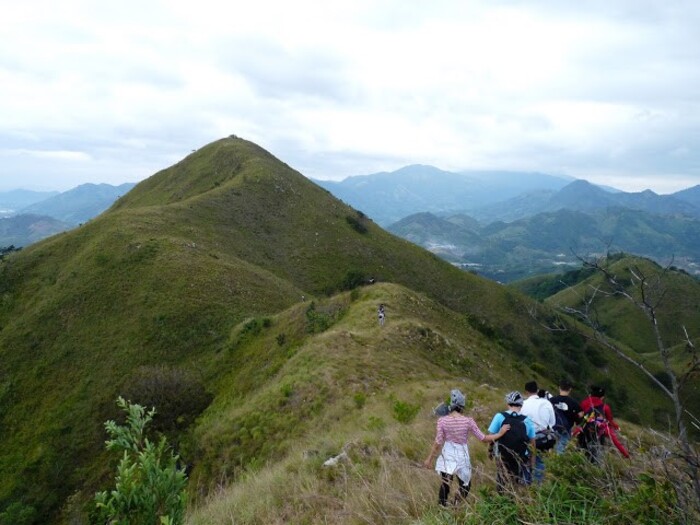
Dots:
pixel 541 412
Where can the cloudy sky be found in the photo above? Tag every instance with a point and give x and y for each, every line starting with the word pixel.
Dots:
pixel 95 91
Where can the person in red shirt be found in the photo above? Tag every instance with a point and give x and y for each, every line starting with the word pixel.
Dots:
pixel 606 426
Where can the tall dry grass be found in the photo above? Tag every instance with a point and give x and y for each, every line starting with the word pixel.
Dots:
pixel 381 481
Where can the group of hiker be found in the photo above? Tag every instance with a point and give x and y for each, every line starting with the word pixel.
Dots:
pixel 521 435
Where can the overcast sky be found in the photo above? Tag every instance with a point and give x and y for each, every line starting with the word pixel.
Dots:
pixel 94 91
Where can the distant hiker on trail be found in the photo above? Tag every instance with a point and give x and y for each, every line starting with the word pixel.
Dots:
pixel 541 412
pixel 567 412
pixel 452 433
pixel 381 314
pixel 597 423
pixel 515 451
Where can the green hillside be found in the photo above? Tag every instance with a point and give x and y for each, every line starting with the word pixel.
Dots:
pixel 675 294
pixel 200 271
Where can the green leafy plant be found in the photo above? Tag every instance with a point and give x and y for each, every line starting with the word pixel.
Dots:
pixel 353 279
pixel 18 514
pixel 6 250
pixel 360 398
pixel 405 412
pixel 150 487
pixel 316 321
pixel 375 423
pixel 356 223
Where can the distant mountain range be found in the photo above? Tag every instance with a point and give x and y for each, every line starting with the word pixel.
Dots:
pixel 510 225
pixel 690 195
pixel 79 204
pixel 29 216
pixel 552 241
pixel 490 196
pixel 14 200
pixel 583 196
pixel 26 229
pixel 390 196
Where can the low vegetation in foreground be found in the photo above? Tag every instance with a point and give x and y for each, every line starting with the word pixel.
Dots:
pixel 376 478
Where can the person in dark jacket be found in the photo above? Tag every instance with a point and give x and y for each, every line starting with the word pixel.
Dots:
pixel 567 406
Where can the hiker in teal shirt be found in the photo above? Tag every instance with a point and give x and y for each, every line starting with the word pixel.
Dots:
pixel 516 448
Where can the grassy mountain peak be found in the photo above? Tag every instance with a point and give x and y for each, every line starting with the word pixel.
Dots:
pixel 211 168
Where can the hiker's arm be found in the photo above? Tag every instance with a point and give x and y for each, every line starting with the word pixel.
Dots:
pixel 428 463
pixel 437 443
pixel 497 435
pixel 609 417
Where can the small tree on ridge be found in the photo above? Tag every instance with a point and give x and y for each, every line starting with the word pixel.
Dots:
pixel 150 487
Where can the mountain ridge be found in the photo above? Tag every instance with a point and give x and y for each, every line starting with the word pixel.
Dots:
pixel 389 196
pixel 488 196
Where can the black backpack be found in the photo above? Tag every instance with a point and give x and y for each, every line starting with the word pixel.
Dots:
pixel 515 439
pixel 561 423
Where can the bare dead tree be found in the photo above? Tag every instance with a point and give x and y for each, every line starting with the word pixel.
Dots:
pixel 645 293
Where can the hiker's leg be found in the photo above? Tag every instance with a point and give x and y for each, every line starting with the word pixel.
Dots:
pixel 538 474
pixel 464 489
pixel 525 473
pixel 595 450
pixel 590 447
pixel 508 472
pixel 444 488
pixel 501 476
pixel 563 439
pixel 616 441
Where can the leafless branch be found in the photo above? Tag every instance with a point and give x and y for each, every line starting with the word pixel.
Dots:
pixel 649 295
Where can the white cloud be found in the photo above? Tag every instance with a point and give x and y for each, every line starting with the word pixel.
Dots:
pixel 72 156
pixel 342 88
